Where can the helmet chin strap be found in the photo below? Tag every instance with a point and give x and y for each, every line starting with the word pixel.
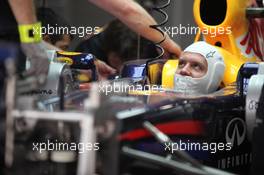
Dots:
pixel 187 85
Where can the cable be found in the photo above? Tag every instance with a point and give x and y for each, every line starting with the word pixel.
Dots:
pixel 157 27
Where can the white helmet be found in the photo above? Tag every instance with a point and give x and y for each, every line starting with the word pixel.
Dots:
pixel 213 77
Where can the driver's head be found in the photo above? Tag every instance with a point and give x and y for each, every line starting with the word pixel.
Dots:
pixel 200 69
pixel 192 64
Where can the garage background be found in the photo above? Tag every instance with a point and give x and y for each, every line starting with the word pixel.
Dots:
pixel 83 13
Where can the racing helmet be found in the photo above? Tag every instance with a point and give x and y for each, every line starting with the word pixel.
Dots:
pixel 214 75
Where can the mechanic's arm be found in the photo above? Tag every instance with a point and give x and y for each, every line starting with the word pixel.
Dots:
pixel 30 38
pixel 135 17
pixel 23 11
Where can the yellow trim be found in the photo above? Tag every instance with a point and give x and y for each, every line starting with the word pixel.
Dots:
pixel 69 53
pixel 154 72
pixel 24 33
pixel 198 36
pixel 168 73
pixel 66 60
pixel 84 77
pixel 234 26
pixel 143 92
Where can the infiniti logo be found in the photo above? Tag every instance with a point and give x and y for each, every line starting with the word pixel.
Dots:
pixel 236 131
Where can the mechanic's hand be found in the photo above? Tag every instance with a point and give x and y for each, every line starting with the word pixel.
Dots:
pixel 171 47
pixel 104 70
pixel 39 63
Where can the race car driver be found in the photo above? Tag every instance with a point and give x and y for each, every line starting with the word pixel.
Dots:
pixel 200 69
